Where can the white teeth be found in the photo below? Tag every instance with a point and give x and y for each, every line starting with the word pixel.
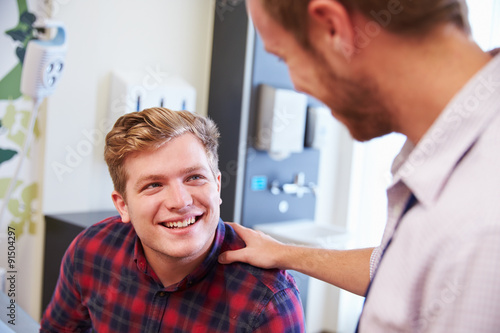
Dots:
pixel 180 224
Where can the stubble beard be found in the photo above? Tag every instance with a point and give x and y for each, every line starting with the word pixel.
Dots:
pixel 356 102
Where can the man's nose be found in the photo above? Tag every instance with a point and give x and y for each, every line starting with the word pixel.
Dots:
pixel 177 196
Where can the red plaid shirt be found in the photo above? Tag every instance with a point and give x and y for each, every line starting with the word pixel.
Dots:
pixel 106 284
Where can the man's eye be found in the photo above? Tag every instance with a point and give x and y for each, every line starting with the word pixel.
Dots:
pixel 197 179
pixel 153 185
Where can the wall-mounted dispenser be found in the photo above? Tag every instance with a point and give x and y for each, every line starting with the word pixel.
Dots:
pixel 44 62
pixel 281 121
pixel 136 90
pixel 318 119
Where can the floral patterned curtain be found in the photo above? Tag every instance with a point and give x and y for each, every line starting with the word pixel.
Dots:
pixel 21 222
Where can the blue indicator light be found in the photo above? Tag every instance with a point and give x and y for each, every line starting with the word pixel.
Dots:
pixel 259 183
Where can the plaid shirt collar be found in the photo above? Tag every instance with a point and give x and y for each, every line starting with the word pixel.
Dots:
pixel 197 275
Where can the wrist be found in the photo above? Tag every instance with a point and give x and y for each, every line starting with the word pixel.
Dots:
pixel 288 256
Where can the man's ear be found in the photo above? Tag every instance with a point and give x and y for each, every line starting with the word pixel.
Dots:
pixel 331 24
pixel 218 179
pixel 121 206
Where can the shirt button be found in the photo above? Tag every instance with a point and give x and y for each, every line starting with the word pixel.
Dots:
pixel 162 294
pixel 142 265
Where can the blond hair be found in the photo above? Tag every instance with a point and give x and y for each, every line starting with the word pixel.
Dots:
pixel 148 130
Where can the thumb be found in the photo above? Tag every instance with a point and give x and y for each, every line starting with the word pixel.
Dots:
pixel 229 257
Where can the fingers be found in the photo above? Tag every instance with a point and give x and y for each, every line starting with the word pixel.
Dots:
pixel 229 257
pixel 241 230
pixel 260 248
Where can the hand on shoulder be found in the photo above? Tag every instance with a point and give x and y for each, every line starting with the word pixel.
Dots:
pixel 261 250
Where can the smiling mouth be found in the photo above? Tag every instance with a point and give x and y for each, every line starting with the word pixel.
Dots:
pixel 180 224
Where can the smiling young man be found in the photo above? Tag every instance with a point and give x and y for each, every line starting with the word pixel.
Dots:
pixel 154 268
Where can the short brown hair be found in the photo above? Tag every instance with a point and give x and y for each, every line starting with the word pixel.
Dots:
pixel 148 130
pixel 416 17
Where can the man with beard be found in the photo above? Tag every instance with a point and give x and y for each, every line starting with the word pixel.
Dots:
pixel 408 67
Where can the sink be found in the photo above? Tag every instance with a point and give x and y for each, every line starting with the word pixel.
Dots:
pixel 306 232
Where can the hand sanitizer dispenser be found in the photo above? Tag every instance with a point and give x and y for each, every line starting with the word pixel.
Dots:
pixel 281 121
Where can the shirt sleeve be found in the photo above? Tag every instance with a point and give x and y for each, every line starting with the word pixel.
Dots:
pixel 65 312
pixel 283 313
pixel 374 260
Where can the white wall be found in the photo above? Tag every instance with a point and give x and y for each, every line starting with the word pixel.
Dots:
pixel 485 23
pixel 154 37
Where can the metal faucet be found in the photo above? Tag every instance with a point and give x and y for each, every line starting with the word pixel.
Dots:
pixel 297 188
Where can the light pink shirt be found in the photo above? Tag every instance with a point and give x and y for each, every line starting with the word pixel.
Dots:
pixel 441 272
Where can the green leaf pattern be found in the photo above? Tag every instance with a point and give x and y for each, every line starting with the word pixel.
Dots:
pixel 21 208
